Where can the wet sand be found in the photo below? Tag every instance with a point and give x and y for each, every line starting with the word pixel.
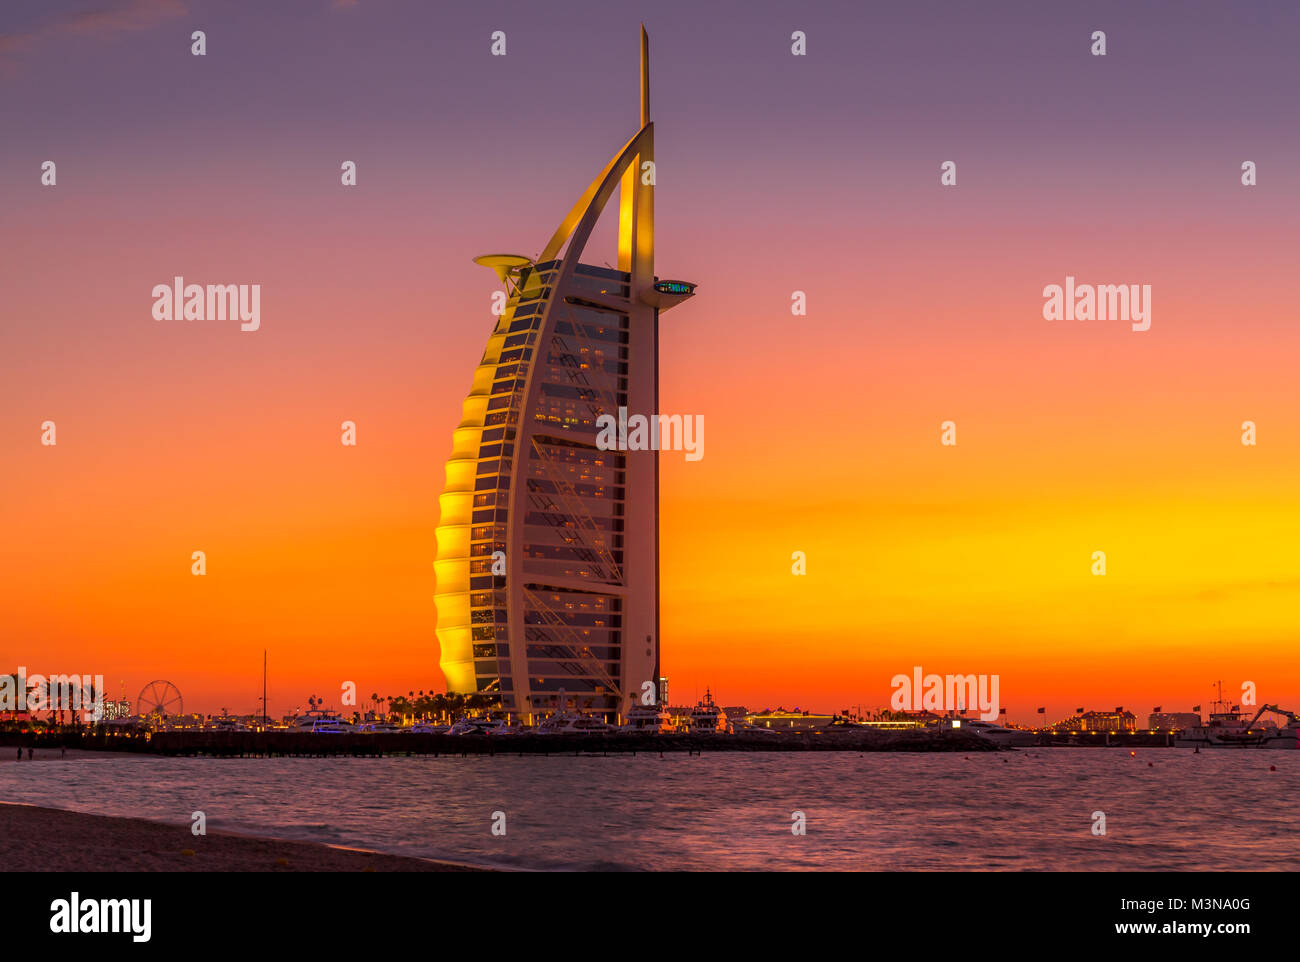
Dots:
pixel 36 839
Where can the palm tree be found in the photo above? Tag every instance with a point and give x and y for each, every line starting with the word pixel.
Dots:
pixel 87 693
pixel 402 707
pixel 455 703
pixel 10 683
pixel 438 706
pixel 43 696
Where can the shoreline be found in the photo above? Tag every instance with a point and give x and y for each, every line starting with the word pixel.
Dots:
pixel 34 838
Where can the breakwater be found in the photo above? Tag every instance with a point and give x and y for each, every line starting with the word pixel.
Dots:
pixel 300 744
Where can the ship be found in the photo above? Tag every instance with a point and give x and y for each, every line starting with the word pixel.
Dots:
pixel 1229 729
pixel 318 722
pixel 997 734
pixel 708 719
pixel 572 723
pixel 647 720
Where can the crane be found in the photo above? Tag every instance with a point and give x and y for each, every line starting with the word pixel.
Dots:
pixel 1295 719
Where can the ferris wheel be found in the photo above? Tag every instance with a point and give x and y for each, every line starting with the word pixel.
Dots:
pixel 159 698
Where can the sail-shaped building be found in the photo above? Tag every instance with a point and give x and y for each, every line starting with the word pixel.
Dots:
pixel 548 546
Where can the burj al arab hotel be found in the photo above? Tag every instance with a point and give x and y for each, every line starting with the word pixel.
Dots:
pixel 548 546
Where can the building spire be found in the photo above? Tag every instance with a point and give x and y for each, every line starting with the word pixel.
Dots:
pixel 645 77
pixel 636 210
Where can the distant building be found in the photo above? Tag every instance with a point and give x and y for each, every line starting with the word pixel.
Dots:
pixel 783 720
pixel 894 725
pixel 1173 720
pixel 663 689
pixel 1105 721
pixel 117 709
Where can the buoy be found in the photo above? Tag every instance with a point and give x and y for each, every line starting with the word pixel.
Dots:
pixel 1272 768
pixel 1132 754
pixel 1150 765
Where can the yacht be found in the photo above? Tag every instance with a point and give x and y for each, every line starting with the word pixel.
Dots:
pixel 319 722
pixel 573 723
pixel 647 720
pixel 841 724
pixel 226 724
pixel 478 726
pixel 708 719
pixel 426 728
pixel 378 728
pixel 999 735
pixel 747 728
pixel 466 726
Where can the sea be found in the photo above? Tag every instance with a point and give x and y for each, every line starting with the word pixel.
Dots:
pixel 1034 809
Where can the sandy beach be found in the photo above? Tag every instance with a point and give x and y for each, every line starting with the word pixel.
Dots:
pixel 36 839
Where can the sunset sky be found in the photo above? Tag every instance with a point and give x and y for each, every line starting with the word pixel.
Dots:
pixel 775 173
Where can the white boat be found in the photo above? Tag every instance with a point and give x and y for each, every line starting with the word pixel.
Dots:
pixel 318 722
pixel 378 728
pixel 758 730
pixel 999 735
pixel 480 726
pixel 425 728
pixel 708 719
pixel 573 723
pixel 227 725
pixel 647 720
pixel 465 726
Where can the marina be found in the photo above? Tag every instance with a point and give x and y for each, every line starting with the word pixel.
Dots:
pixel 452 725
